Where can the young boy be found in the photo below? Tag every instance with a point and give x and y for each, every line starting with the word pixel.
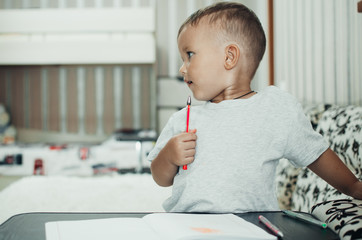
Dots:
pixel 241 134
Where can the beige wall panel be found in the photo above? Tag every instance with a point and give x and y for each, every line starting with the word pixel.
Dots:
pixel 127 99
pixel 53 99
pixel 17 96
pixel 35 117
pixel 3 86
pixel 108 116
pixel 145 95
pixel 90 103
pixel 72 103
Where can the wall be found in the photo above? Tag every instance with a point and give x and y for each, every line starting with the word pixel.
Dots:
pixel 96 100
pixel 93 100
pixel 318 50
pixel 78 102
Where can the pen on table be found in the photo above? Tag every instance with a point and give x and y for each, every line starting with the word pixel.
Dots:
pixel 184 167
pixel 305 218
pixel 270 226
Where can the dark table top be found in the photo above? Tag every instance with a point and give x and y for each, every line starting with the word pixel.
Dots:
pixel 31 226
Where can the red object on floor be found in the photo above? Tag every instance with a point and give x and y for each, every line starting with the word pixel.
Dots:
pixel 58 147
pixel 38 167
pixel 84 153
pixel 9 159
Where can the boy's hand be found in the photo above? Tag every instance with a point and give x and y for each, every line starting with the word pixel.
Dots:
pixel 181 148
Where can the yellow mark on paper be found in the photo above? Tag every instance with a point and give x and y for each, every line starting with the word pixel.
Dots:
pixel 205 230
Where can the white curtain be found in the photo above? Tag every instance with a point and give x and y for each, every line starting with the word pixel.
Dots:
pixel 318 50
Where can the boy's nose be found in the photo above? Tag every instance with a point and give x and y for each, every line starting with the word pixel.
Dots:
pixel 182 70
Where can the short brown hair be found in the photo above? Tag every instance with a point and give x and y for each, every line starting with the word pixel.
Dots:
pixel 237 21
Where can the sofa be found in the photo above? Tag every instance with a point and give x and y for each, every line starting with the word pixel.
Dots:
pixel 299 189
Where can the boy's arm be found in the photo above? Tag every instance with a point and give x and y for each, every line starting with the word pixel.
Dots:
pixel 330 167
pixel 178 151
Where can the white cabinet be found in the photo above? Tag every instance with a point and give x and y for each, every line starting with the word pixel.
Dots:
pixel 77 36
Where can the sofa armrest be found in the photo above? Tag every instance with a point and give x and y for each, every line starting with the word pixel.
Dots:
pixel 343 216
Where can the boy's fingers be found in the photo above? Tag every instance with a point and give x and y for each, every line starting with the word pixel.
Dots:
pixel 191 131
pixel 189 160
pixel 190 136
pixel 190 145
pixel 190 152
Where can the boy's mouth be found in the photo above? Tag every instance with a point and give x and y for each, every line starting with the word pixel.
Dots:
pixel 188 82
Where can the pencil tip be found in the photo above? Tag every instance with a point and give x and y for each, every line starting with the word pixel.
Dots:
pixel 189 100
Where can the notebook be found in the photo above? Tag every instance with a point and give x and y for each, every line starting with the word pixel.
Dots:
pixel 160 226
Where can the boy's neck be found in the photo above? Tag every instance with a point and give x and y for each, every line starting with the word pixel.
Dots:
pixel 243 94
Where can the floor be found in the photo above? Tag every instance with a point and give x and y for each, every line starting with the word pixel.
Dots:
pixel 7 180
pixel 107 193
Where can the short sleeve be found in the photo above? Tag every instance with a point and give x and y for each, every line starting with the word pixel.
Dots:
pixel 304 145
pixel 165 136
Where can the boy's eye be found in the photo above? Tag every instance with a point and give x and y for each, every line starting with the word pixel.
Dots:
pixel 190 54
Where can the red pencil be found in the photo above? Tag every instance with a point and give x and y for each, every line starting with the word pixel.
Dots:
pixel 184 167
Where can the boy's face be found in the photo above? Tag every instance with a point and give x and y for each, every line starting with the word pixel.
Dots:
pixel 203 61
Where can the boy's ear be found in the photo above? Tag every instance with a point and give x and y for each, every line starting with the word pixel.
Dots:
pixel 232 55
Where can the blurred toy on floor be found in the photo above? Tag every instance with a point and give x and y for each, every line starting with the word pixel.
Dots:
pixel 122 152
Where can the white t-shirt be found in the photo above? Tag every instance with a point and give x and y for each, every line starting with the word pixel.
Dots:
pixel 239 143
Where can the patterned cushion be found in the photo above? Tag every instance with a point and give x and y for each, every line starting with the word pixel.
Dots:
pixel 314 112
pixel 311 189
pixel 342 128
pixel 343 216
pixel 286 179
